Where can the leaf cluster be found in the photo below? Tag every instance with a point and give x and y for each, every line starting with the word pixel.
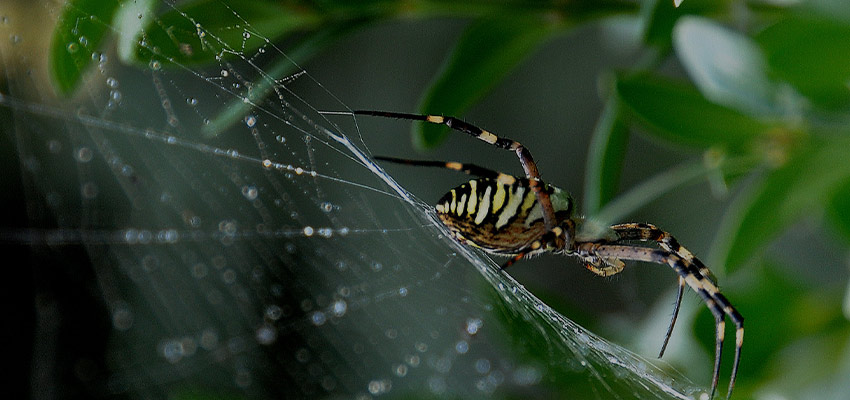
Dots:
pixel 763 99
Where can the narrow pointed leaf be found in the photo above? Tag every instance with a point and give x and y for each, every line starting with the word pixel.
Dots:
pixel 678 113
pixel 486 53
pixel 81 28
pixel 605 158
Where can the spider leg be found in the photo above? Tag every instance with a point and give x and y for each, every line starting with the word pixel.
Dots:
pixel 549 241
pixel 525 158
pixel 604 267
pixel 669 333
pixel 691 274
pixel 649 232
pixel 469 169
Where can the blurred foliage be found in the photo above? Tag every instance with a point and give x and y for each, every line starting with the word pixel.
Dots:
pixel 765 99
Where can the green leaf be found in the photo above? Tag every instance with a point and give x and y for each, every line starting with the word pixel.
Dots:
pixel 802 186
pixel 605 158
pixel 680 114
pixel 728 67
pixel 81 28
pixel 838 211
pixel 660 16
pixel 219 28
pixel 812 54
pixel 486 53
pixel 130 21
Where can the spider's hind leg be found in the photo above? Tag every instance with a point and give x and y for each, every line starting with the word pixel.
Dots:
pixel 649 232
pixel 691 271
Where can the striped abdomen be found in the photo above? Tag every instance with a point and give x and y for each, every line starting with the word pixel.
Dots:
pixel 499 217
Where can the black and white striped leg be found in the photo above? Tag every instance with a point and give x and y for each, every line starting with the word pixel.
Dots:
pixel 691 274
pixel 679 293
pixel 525 158
pixel 469 169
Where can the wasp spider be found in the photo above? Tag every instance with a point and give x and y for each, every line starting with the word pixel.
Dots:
pixel 520 217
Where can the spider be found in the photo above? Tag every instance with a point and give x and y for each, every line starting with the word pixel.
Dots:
pixel 520 217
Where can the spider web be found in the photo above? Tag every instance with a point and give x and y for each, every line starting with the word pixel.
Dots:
pixel 274 258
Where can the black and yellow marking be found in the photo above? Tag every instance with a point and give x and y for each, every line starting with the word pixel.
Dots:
pixel 498 217
pixel 518 217
pixel 697 276
pixel 526 160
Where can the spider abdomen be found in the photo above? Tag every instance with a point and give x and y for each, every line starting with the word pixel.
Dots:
pixel 499 217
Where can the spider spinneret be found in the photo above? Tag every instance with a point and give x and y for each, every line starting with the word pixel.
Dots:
pixel 520 217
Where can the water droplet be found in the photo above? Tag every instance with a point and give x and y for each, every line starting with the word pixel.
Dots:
pixel 191 101
pixel 250 192
pixel 412 360
pixel 112 82
pixel 327 207
pixel 318 318
pixel 72 48
pixel 250 121
pixel 54 146
pixel 224 73
pixel 473 325
pixel 84 154
pixel 308 231
pixel 155 65
pixel 339 308
pixel 122 317
pixel 266 334
pixel 199 271
pixel 89 190
pixel 246 35
pixel 377 387
pixel 280 138
pixel 302 355
pixel 274 312
pixel 482 366
pixel 172 350
pixel 461 347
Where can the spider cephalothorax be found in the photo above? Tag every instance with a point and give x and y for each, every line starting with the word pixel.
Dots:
pixel 519 217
